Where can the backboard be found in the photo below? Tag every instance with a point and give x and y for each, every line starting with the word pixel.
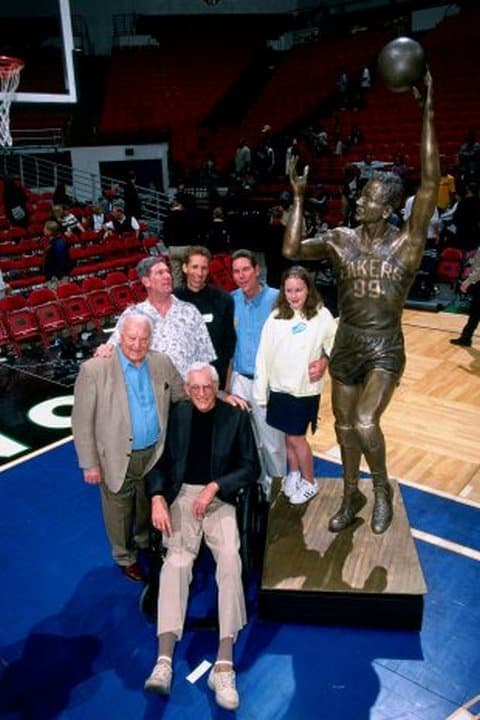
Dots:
pixel 40 33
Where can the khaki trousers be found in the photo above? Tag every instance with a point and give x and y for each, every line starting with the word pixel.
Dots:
pixel 219 528
pixel 127 513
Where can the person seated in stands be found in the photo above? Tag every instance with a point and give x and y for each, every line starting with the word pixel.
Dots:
pixel 57 261
pixel 4 287
pixel 351 187
pixel 447 189
pixel 356 136
pixel 264 156
pixel 69 224
pixel 243 158
pixel 209 456
pixel 318 201
pixel 15 202
pixel 120 222
pixel 218 238
pixel 368 165
pixel 61 197
pixel 424 284
pixel 400 168
pixel 209 173
pixel 97 218
pixel 469 159
pixel 133 204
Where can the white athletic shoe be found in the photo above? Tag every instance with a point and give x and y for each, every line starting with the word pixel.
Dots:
pixel 305 492
pixel 160 679
pixel 223 685
pixel 291 483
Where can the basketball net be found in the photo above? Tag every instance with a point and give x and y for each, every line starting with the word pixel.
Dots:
pixel 10 69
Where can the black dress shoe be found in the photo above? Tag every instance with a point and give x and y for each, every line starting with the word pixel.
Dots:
pixel 461 341
pixel 133 572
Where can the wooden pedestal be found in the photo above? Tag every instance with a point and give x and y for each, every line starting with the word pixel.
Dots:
pixel 352 578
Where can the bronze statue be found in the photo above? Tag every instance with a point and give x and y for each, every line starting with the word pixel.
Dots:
pixel 375 265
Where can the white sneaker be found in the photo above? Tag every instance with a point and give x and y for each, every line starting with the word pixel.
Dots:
pixel 291 483
pixel 160 679
pixel 223 685
pixel 305 492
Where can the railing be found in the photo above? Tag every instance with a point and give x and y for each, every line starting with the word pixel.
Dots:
pixel 40 174
pixel 38 137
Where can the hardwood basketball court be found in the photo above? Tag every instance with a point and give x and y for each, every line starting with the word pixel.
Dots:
pixel 432 425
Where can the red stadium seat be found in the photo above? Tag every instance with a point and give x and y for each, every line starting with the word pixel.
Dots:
pixel 98 300
pixel 120 290
pixel 4 337
pixel 138 288
pixel 221 272
pixel 75 308
pixel 449 266
pixel 48 312
pixel 19 321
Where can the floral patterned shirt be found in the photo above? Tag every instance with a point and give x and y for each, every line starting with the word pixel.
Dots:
pixel 182 333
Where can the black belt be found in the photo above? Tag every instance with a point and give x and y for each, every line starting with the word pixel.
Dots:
pixel 249 377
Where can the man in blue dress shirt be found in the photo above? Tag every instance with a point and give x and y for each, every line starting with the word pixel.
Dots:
pixel 253 303
pixel 119 422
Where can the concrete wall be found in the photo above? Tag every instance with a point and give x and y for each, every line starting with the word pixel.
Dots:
pixel 88 159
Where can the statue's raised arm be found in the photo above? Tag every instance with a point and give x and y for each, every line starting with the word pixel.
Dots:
pixel 426 197
pixel 294 245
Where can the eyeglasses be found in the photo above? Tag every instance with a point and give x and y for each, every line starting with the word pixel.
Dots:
pixel 201 388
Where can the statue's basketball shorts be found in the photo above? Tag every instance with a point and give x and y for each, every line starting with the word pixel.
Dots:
pixel 356 352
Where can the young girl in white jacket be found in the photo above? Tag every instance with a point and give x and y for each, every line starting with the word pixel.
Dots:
pixel 291 360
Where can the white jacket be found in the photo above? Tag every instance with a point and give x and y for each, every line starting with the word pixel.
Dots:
pixel 286 348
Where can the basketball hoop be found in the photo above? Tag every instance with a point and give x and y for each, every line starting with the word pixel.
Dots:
pixel 10 69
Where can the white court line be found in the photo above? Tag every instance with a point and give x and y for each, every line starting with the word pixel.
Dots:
pixel 446 544
pixel 35 453
pixel 333 456
pixel 200 670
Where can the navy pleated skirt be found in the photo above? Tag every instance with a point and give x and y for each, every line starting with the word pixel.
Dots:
pixel 292 414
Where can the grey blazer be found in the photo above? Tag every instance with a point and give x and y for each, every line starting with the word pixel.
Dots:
pixel 101 419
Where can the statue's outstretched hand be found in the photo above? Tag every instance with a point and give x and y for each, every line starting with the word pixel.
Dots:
pixel 419 97
pixel 298 182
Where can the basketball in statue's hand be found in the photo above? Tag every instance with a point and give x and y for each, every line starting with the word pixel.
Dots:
pixel 401 63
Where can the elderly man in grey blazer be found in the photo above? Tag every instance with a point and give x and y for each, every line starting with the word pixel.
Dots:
pixel 119 423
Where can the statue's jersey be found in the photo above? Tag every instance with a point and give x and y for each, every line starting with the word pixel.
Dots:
pixel 372 284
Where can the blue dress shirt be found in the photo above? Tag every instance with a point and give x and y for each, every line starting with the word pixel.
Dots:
pixel 141 403
pixel 249 318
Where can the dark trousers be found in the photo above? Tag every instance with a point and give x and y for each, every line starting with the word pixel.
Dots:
pixel 473 315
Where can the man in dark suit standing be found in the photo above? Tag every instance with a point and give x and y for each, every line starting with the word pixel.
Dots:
pixel 210 454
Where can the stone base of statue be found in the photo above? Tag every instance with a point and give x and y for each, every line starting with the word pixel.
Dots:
pixel 352 578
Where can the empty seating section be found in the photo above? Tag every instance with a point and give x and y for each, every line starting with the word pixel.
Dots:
pixel 169 89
